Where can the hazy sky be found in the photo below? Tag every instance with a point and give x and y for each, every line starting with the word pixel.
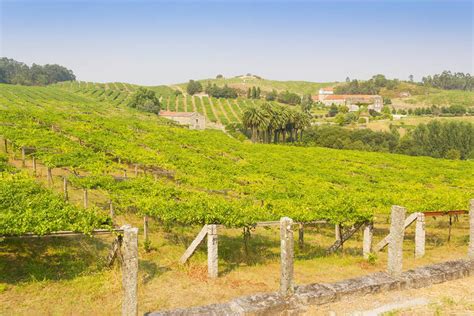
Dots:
pixel 156 42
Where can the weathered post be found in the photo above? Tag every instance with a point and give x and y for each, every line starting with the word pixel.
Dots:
pixel 111 210
pixel 136 170
pixel 5 144
pixel 395 246
pixel 300 235
pixel 420 236
pixel 471 230
pixel 86 198
pixel 23 157
pixel 145 228
pixel 130 271
pixel 65 191
pixel 337 230
pixel 367 240
pixel 212 256
pixel 50 177
pixel 286 249
pixel 34 166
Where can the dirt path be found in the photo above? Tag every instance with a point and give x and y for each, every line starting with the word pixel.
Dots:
pixel 449 298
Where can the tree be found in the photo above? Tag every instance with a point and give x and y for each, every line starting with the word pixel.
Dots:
pixel 410 77
pixel 145 100
pixel 306 103
pixel 249 93
pixel 14 72
pixel 219 76
pixel 193 87
pixel 333 110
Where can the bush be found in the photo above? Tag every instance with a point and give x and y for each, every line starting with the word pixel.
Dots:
pixel 289 98
pixel 453 154
pixel 224 92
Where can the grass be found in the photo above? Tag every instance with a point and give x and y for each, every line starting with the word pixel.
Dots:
pixel 36 274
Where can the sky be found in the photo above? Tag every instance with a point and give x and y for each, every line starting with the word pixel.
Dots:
pixel 165 42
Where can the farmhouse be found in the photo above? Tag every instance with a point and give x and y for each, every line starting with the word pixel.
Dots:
pixel 193 119
pixel 327 97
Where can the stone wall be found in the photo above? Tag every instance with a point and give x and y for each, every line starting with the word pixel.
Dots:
pixel 318 294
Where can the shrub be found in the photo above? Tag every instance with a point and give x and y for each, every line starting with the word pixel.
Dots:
pixel 145 100
pixel 193 87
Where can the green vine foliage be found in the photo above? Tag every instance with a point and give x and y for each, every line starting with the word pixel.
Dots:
pixel 208 177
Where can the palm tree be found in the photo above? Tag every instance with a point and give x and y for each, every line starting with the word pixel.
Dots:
pixel 254 118
pixel 302 121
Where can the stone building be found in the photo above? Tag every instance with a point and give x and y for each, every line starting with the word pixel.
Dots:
pixel 193 119
pixel 327 97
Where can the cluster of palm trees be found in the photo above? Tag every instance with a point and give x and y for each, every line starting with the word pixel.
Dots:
pixel 274 123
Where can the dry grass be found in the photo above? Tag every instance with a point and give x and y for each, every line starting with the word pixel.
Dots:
pixel 68 275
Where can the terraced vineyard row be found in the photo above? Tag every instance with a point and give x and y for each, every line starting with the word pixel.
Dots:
pixel 207 177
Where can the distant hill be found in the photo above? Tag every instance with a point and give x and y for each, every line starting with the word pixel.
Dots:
pixel 245 82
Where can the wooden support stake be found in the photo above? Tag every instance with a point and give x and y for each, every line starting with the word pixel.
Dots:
pixel 65 190
pixel 450 226
pixel 471 230
pixel 86 198
pixel 34 166
pixel 50 177
pixel 145 228
pixel 23 157
pixel 384 242
pixel 111 211
pixel 189 252
pixel 300 235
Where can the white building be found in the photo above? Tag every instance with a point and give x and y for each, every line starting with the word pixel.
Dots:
pixel 193 119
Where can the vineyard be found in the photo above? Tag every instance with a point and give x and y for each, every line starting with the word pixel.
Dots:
pixel 199 177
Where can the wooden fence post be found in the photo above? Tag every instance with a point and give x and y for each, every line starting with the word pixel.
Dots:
pixel 86 198
pixel 301 235
pixel 34 166
pixel 130 271
pixel 145 228
pixel 471 230
pixel 111 210
pixel 65 191
pixel 395 246
pixel 212 254
pixel 367 240
pixel 420 236
pixel 50 177
pixel 286 253
pixel 23 157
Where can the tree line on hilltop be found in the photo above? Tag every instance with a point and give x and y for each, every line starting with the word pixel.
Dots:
pixel 14 72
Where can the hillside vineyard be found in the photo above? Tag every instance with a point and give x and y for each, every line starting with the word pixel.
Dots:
pixel 198 177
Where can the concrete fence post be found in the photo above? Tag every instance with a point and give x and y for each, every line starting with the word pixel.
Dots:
pixel 86 198
pixel 420 236
pixel 337 231
pixel 130 271
pixel 367 240
pixel 471 230
pixel 212 254
pixel 65 190
pixel 395 245
pixel 287 248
